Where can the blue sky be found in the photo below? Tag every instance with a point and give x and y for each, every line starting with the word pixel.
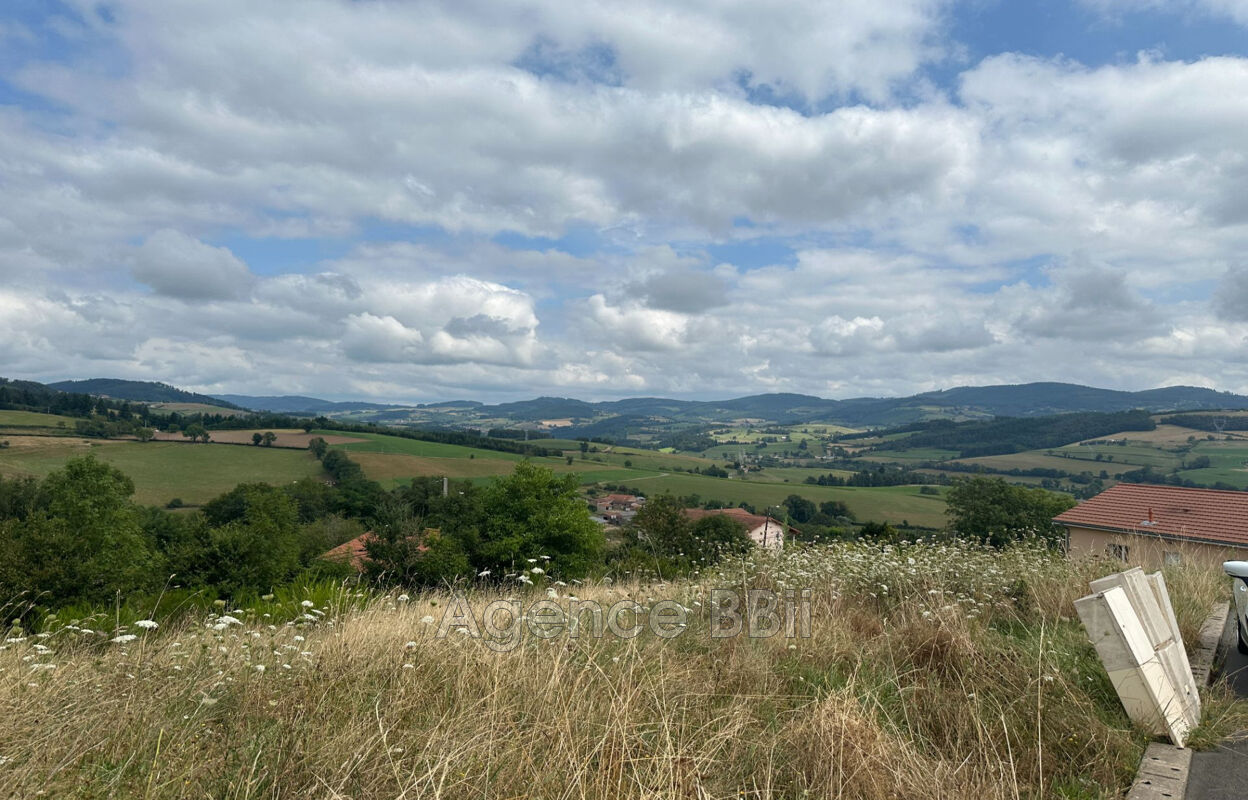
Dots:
pixel 424 200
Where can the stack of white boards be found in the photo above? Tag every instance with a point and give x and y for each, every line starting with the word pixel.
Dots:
pixel 1131 624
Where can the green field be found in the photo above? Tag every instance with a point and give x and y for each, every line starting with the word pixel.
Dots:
pixel 394 461
pixel 1229 464
pixel 162 471
pixel 1038 459
pixel 34 419
pixel 796 433
pixel 641 459
pixel 1140 454
pixel 380 443
pixel 197 473
pixel 1211 475
pixel 795 475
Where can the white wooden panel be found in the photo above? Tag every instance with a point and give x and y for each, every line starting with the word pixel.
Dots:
pixel 1145 676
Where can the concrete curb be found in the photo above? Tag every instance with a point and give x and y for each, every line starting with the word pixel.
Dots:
pixel 1163 773
pixel 1164 768
pixel 1207 647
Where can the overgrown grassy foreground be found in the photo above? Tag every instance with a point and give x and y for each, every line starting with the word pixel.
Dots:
pixel 932 671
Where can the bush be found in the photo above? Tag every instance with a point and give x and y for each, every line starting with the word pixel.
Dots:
pixel 80 540
pixel 991 510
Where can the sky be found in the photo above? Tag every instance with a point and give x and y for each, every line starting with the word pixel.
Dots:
pixel 425 200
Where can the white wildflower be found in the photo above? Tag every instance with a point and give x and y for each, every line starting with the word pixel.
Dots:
pixel 147 624
pixel 125 637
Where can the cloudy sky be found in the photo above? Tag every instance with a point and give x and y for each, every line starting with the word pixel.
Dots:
pixel 418 200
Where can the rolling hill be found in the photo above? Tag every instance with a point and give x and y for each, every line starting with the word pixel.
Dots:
pixel 138 391
pixel 297 404
pixel 615 417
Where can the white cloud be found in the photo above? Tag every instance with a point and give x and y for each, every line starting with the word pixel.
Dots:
pixel 633 327
pixel 921 237
pixel 1236 10
pixel 178 265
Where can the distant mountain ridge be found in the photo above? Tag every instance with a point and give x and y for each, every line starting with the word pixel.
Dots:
pixel 138 391
pixel 962 402
pixel 294 404
pixel 1018 400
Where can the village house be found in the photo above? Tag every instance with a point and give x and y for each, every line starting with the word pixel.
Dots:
pixel 618 502
pixel 355 552
pixel 1155 526
pixel 763 530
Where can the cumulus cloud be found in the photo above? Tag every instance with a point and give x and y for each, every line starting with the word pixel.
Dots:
pixel 454 320
pixel 181 266
pixel 668 197
pixel 677 283
pixel 1085 302
pixel 633 327
pixel 1230 299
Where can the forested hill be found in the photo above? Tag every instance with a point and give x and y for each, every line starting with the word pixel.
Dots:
pixel 967 402
pixel 298 404
pixel 137 391
pixel 1016 434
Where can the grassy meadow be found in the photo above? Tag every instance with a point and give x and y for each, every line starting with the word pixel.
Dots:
pixel 936 672
pixel 34 419
pixel 161 471
pixel 173 468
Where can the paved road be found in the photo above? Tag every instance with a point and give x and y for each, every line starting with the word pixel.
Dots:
pixel 1236 669
pixel 1222 774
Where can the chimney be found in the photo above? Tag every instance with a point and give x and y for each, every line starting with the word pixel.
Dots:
pixel 1150 515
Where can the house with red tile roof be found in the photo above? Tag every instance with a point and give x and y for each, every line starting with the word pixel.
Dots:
pixel 1154 526
pixel 355 552
pixel 765 531
pixel 619 502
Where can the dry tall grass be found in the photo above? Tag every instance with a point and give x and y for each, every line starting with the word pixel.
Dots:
pixel 932 671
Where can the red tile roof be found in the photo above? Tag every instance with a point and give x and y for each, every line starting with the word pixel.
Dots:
pixel 750 521
pixel 354 552
pixel 1209 515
